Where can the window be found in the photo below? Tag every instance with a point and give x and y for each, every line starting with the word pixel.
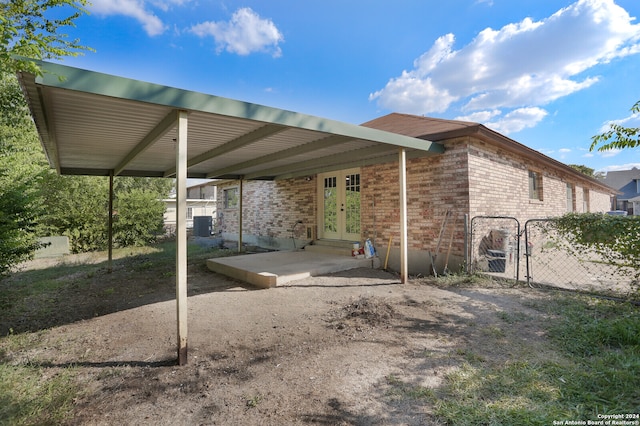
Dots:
pixel 189 213
pixel 231 199
pixel 535 185
pixel 571 201
pixel 585 201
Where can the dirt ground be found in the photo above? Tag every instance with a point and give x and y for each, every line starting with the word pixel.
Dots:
pixel 345 349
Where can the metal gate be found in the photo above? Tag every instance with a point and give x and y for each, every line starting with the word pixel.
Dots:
pixel 545 257
pixel 494 246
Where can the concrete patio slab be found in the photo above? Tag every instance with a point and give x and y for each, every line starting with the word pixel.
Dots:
pixel 276 268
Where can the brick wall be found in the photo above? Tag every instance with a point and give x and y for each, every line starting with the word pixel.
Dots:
pixel 499 185
pixel 599 202
pixel 270 211
pixel 471 177
pixel 434 185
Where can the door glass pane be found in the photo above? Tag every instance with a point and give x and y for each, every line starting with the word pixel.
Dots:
pixel 330 205
pixel 352 204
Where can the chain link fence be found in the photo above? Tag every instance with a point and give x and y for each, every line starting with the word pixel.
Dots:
pixel 551 260
pixel 495 246
pixel 542 256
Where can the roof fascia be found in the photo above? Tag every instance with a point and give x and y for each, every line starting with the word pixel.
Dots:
pixel 496 138
pixel 64 77
pixel 38 107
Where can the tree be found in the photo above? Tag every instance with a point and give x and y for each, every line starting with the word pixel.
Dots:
pixel 618 137
pixel 139 218
pixel 583 169
pixel 26 30
pixel 77 206
pixel 22 165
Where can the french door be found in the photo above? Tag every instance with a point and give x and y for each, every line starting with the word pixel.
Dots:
pixel 339 205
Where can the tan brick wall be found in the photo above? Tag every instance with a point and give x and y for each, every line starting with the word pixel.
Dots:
pixel 271 208
pixel 471 177
pixel 499 185
pixel 599 202
pixel 434 185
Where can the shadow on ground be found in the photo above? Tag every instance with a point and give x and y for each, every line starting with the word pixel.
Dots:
pixel 39 299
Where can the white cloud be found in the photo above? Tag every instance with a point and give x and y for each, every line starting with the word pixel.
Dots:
pixel 517 120
pixel 480 116
pixel 631 121
pixel 512 122
pixel 564 150
pixel 619 167
pixel 132 8
pixel 610 153
pixel 520 66
pixel 245 33
pixel 166 5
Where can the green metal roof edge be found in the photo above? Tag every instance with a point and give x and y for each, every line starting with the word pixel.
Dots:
pixel 65 77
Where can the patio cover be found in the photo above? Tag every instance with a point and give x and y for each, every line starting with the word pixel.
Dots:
pixel 97 124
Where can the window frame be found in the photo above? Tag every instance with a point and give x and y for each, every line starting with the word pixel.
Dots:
pixel 535 186
pixel 571 202
pixel 226 198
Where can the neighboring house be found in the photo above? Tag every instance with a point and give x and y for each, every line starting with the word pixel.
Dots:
pixel 481 172
pixel 628 183
pixel 201 201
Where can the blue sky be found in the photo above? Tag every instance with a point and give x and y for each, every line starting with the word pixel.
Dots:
pixel 547 73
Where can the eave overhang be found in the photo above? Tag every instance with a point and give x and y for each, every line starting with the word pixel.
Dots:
pixel 94 124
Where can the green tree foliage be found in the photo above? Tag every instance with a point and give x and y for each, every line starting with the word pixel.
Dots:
pixel 583 169
pixel 34 29
pixel 618 137
pixel 77 206
pixel 139 218
pixel 22 165
pixel 33 199
pixel 161 187
pixel 25 30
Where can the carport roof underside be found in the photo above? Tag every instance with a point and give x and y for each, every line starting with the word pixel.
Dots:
pixel 95 124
